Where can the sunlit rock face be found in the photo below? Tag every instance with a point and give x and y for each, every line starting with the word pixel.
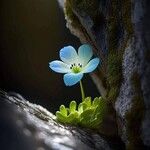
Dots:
pixel 36 129
pixel 120 35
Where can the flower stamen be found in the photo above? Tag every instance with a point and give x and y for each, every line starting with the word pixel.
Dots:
pixel 76 68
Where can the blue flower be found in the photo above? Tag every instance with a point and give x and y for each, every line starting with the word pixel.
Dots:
pixel 74 65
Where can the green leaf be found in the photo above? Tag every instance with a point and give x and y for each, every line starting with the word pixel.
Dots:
pixel 95 123
pixel 96 102
pixel 88 114
pixel 102 106
pixel 73 118
pixel 63 110
pixel 72 106
pixel 84 106
pixel 80 108
pixel 87 101
pixel 60 117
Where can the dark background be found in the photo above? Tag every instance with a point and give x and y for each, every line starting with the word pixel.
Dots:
pixel 32 33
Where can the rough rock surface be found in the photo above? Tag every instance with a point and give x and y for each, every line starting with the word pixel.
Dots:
pixel 34 128
pixel 119 32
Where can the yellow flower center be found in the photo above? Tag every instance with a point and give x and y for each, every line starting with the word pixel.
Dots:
pixel 76 68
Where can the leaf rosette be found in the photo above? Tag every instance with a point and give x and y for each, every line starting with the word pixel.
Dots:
pixel 89 114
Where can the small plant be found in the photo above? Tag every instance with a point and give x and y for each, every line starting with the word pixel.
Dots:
pixel 88 113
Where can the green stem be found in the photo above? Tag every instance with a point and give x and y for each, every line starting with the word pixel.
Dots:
pixel 82 91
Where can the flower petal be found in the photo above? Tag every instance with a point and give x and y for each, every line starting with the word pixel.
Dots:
pixel 85 53
pixel 59 66
pixel 68 54
pixel 91 66
pixel 72 78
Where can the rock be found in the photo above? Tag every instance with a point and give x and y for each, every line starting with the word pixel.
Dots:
pixel 134 92
pixel 61 3
pixel 119 32
pixel 35 128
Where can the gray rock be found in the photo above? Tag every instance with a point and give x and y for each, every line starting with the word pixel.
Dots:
pixel 61 3
pixel 137 59
pixel 37 129
pixel 121 28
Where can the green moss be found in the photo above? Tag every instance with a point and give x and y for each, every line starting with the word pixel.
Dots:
pixel 114 76
pixel 114 70
pixel 134 116
pixel 126 16
pixel 117 47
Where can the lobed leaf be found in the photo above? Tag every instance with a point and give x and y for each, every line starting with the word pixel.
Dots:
pixel 88 114
pixel 63 110
pixel 72 106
